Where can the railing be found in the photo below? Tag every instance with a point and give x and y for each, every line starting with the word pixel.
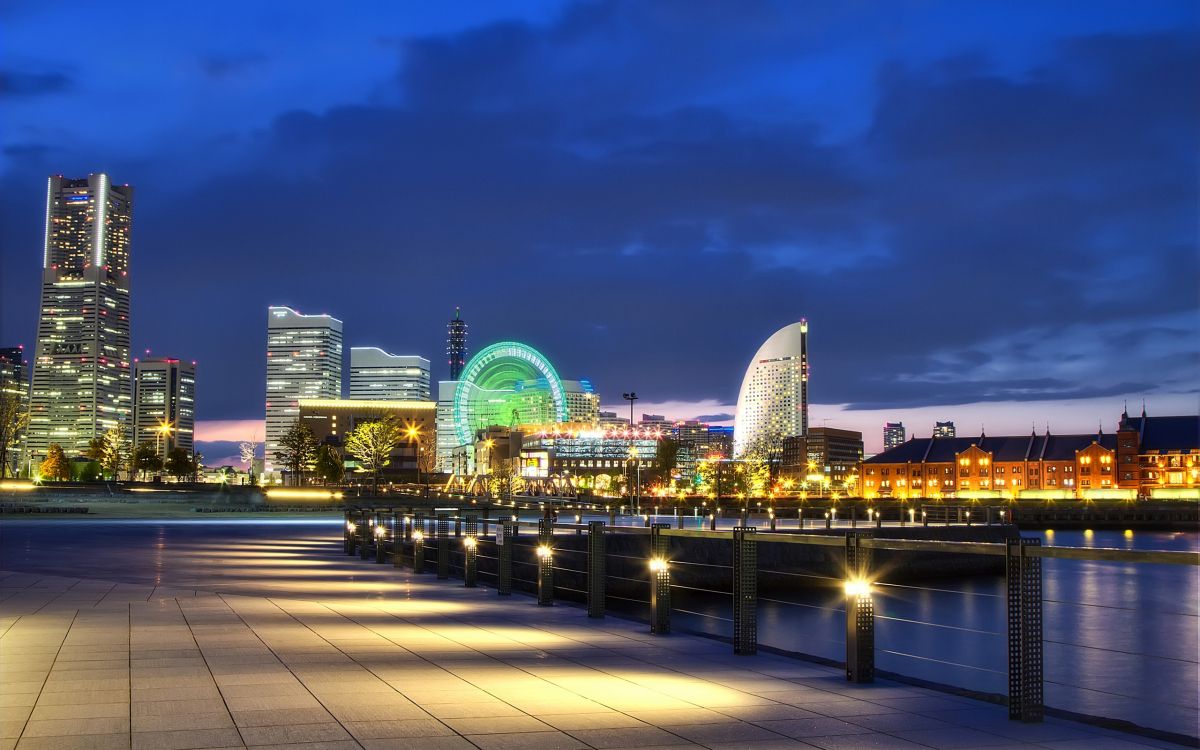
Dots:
pixel 598 574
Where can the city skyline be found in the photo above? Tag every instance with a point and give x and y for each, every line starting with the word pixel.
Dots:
pixel 961 260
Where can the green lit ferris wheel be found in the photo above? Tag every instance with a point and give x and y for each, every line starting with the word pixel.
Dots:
pixel 507 383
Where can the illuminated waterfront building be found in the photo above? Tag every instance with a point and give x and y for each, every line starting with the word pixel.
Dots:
pixel 164 404
pixel 893 435
pixel 304 360
pixel 456 344
pixel 331 419
pixel 81 377
pixel 14 383
pixel 1156 457
pixel 584 455
pixel 827 457
pixel 699 441
pixel 773 401
pixel 377 375
pixel 583 403
pixel 942 430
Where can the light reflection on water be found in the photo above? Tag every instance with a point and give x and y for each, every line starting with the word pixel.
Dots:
pixel 1120 639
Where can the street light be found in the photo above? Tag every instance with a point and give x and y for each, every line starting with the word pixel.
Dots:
pixel 164 428
pixel 630 397
pixel 414 433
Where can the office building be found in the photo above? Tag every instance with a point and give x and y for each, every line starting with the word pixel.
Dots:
pixel 304 360
pixel 583 456
pixel 14 389
pixel 1148 457
pixel 456 344
pixel 164 404
pixel 893 435
pixel 827 457
pixel 452 453
pixel 81 377
pixel 773 401
pixel 331 419
pixel 611 419
pixel 943 430
pixel 583 403
pixel 378 376
pixel 699 441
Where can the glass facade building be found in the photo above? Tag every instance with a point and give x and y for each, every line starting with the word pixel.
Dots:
pixel 164 404
pixel 376 375
pixel 81 365
pixel 773 401
pixel 304 360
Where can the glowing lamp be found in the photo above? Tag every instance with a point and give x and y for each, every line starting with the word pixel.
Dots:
pixel 418 536
pixel 858 587
pixel 351 527
pixel 657 564
pixel 543 551
pixel 470 542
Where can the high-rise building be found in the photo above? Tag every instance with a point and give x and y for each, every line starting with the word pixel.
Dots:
pixel 14 385
pixel 893 435
pixel 164 404
pixel 943 430
pixel 773 401
pixel 456 344
pixel 376 375
pixel 583 403
pixel 304 360
pixel 827 456
pixel 81 378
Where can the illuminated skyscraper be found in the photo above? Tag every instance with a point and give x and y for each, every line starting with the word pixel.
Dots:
pixel 943 430
pixel 304 360
pixel 378 376
pixel 81 378
pixel 773 401
pixel 456 345
pixel 893 435
pixel 14 385
pixel 164 404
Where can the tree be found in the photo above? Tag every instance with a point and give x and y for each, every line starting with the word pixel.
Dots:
pixel 144 459
pixel 330 465
pixel 56 467
pixel 113 453
pixel 179 463
pixel 426 453
pixel 502 482
pixel 95 449
pixel 666 459
pixel 373 443
pixel 297 449
pixel 12 420
pixel 249 451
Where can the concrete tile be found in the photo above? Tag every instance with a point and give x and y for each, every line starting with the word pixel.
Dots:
pixel 190 739
pixel 475 709
pixel 497 725
pixel 527 741
pixel 873 741
pixel 76 742
pixel 818 727
pixel 172 722
pixel 366 730
pixel 80 711
pixel 294 734
pixel 627 737
pixel 66 727
pixel 952 738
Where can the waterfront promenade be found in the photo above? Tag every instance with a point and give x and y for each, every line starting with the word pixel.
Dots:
pixel 254 643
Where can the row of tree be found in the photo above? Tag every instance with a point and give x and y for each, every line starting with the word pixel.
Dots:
pixel 112 454
pixel 371 444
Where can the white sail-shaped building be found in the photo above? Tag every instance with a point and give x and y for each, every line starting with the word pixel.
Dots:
pixel 773 401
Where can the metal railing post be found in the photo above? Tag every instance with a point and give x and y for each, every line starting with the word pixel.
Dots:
pixel 660 581
pixel 381 536
pixel 545 555
pixel 745 591
pixel 399 534
pixel 1023 574
pixel 365 528
pixel 418 537
pixel 348 529
pixel 860 612
pixel 596 569
pixel 443 546
pixel 470 551
pixel 504 546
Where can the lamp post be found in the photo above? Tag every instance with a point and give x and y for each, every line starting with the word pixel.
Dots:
pixel 164 428
pixel 630 397
pixel 414 434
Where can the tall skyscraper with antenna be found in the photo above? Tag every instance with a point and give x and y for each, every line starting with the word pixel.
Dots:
pixel 456 344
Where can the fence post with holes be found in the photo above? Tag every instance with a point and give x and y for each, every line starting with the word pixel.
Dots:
pixel 348 529
pixel 745 591
pixel 596 569
pixel 470 551
pixel 504 553
pixel 443 546
pixel 1023 576
pixel 860 611
pixel 381 539
pixel 418 537
pixel 399 533
pixel 545 562
pixel 660 581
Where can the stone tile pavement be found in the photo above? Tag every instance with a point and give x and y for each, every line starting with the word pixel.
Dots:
pixel 98 664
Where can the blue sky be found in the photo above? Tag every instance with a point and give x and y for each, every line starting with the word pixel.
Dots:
pixel 986 210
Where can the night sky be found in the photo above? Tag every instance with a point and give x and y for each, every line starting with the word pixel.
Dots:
pixel 974 204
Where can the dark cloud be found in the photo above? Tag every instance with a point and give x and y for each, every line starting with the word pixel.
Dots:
pixel 15 83
pixel 621 165
pixel 722 417
pixel 29 150
pixel 230 66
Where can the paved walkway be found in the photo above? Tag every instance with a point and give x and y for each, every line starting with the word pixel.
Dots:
pixel 93 664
